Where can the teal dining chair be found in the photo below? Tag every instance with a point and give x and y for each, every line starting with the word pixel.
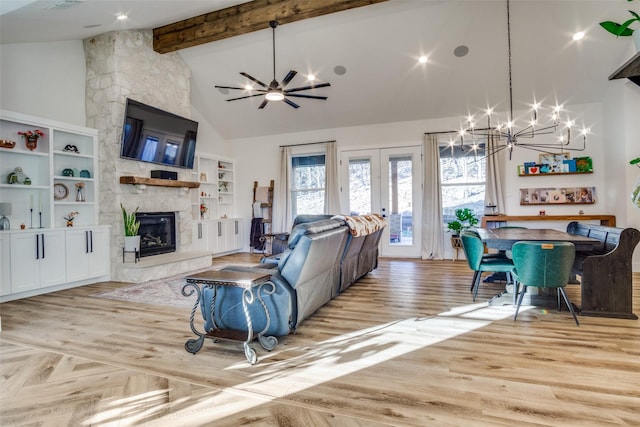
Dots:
pixel 544 265
pixel 474 251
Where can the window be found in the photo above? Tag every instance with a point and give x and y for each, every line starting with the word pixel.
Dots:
pixel 462 176
pixel 308 184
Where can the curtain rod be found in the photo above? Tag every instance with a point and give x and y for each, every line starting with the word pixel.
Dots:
pixel 308 143
pixel 455 131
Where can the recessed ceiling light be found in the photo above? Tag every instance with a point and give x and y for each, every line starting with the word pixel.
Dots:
pixel 423 59
pixel 578 36
pixel 461 51
pixel 311 77
pixel 340 70
pixel 122 17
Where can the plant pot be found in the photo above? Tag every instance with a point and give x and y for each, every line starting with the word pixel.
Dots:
pixel 31 142
pixel 132 243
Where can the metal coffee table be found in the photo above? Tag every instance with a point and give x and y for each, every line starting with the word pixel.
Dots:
pixel 253 285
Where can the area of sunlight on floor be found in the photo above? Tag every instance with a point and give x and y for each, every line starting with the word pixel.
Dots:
pixel 327 361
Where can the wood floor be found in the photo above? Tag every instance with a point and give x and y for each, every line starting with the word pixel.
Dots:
pixel 403 346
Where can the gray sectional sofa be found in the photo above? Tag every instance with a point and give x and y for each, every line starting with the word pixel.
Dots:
pixel 322 259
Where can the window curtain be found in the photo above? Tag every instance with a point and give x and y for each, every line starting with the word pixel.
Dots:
pixel 332 192
pixel 493 192
pixel 432 232
pixel 282 204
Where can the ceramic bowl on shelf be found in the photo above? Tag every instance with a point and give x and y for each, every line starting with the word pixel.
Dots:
pixel 7 143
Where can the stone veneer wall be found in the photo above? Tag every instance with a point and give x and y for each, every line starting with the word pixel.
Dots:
pixel 122 65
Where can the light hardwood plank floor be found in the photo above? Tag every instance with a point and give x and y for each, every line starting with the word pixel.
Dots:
pixel 403 346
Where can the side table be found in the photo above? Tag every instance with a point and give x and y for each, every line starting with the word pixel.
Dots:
pixel 253 285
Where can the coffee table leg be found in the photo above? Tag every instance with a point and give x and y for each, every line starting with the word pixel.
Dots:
pixel 247 299
pixel 195 344
pixel 267 342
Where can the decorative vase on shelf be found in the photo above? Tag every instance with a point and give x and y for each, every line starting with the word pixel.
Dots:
pixel 31 138
pixel 31 142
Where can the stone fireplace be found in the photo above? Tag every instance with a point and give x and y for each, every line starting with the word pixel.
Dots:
pixel 114 61
pixel 157 233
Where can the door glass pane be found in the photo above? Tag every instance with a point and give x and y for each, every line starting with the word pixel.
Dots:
pixel 400 200
pixel 359 186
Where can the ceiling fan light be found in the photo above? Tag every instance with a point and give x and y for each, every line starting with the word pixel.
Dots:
pixel 274 96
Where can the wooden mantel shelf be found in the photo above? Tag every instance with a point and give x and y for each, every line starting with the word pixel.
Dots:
pixel 138 180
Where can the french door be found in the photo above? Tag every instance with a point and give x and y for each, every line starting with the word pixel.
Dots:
pixel 387 181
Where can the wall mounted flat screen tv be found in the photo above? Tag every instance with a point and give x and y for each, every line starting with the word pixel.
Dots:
pixel 152 135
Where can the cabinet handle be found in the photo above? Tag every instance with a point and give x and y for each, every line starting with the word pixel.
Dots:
pixel 236 227
pixel 91 239
pixel 42 235
pixel 199 230
pixel 219 229
pixel 86 242
pixel 37 246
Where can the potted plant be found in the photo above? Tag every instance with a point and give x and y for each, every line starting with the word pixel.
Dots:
pixel 131 226
pixel 465 219
pixel 624 29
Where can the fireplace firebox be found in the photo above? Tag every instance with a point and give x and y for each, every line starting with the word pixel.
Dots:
pixel 157 232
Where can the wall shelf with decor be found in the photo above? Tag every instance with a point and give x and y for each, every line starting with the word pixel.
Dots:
pixel 216 198
pixel 63 156
pixel 556 164
pixel 555 173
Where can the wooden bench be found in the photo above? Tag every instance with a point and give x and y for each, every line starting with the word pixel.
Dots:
pixel 606 272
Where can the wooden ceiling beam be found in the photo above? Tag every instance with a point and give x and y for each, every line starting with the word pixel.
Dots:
pixel 244 18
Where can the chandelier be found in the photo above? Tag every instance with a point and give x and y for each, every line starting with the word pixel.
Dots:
pixel 505 134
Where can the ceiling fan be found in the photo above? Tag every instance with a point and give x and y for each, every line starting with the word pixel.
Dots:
pixel 276 91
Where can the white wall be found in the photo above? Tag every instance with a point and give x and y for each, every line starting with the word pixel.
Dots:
pixel 44 80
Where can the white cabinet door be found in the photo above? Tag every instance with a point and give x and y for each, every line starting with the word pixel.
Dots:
pixel 86 253
pixel 5 265
pixel 25 262
pixel 37 260
pixel 99 257
pixel 52 262
pixel 236 225
pixel 199 236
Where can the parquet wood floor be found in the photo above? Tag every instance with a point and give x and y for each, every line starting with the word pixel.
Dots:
pixel 403 346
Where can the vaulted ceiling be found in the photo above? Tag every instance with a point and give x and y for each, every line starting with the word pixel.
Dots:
pixel 378 46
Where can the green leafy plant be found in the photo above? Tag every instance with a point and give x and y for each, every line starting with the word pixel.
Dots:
pixel 623 29
pixel 131 225
pixel 465 219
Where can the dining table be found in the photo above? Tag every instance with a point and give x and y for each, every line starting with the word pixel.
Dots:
pixel 504 238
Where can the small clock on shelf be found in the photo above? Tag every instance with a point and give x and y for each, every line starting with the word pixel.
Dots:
pixel 60 191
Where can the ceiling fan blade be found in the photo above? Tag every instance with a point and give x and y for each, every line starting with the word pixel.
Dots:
pixel 290 75
pixel 293 104
pixel 264 103
pixel 306 96
pixel 229 87
pixel 298 89
pixel 253 79
pixel 244 97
